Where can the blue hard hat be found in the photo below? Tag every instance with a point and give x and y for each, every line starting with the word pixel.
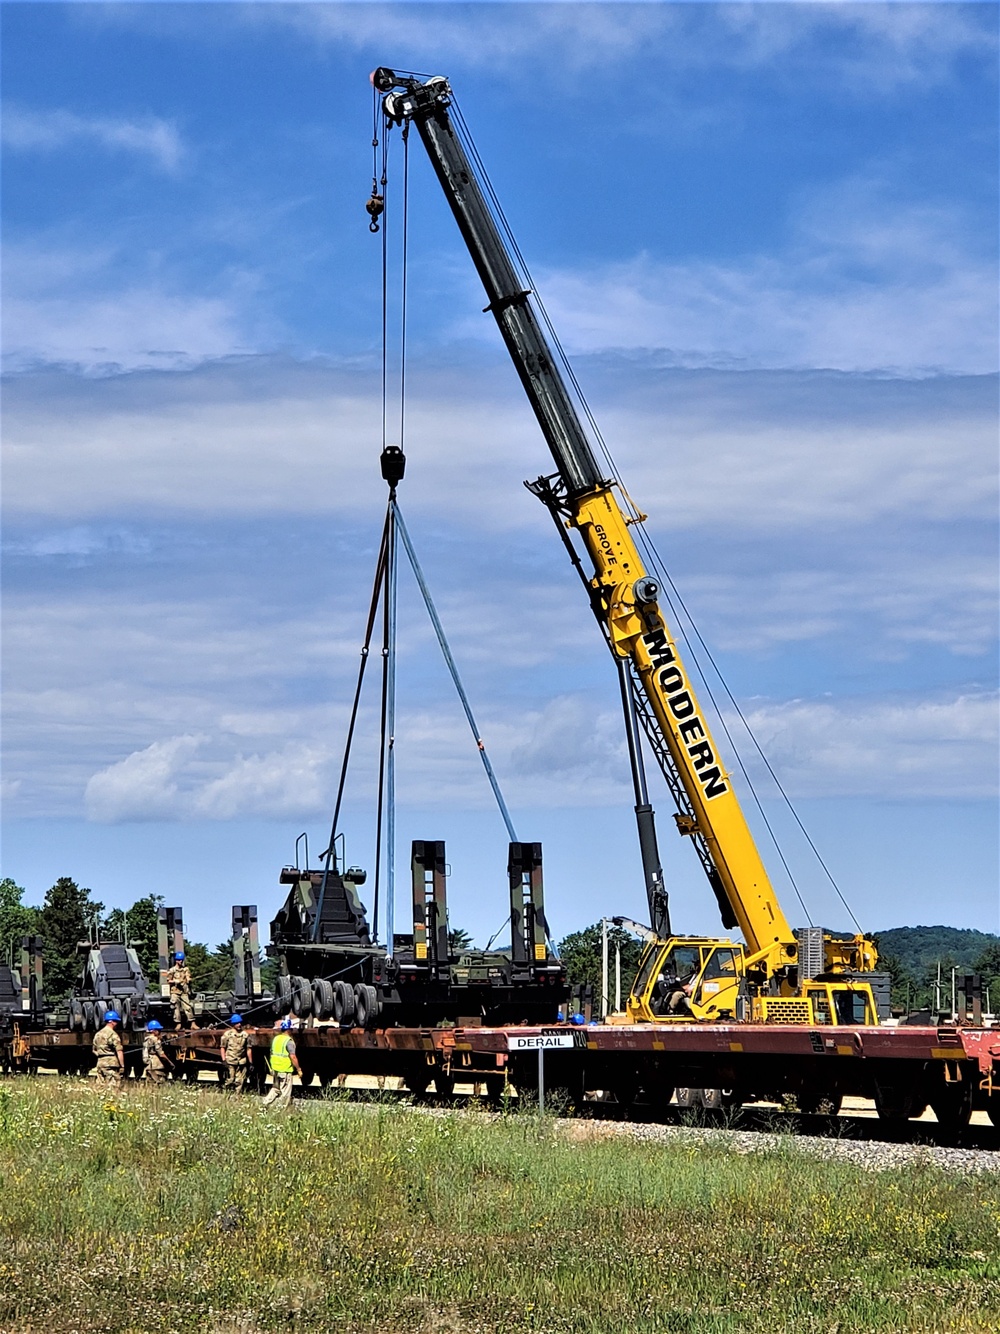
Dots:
pixel 285 1023
pixel 112 1017
pixel 577 1019
pixel 179 954
pixel 154 1026
pixel 236 1019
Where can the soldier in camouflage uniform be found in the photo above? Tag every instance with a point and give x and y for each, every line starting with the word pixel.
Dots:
pixel 179 981
pixel 154 1055
pixel 110 1053
pixel 233 1047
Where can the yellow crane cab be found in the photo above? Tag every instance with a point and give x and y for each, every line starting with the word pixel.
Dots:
pixel 686 978
pixel 696 978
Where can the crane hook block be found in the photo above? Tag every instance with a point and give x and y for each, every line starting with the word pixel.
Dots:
pixel 393 462
pixel 374 208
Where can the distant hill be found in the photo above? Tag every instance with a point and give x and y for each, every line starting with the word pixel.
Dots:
pixel 918 948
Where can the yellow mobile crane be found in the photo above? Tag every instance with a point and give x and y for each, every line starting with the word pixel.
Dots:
pixel 777 975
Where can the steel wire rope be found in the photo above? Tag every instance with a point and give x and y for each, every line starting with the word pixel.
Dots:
pixel 655 560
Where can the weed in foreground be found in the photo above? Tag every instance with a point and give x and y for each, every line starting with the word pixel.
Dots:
pixel 173 1209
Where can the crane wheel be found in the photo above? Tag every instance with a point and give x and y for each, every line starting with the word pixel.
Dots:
pixel 282 1002
pixel 322 998
pixel 343 1004
pixel 302 996
pixel 361 1005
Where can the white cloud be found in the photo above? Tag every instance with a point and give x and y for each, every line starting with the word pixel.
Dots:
pixel 887 749
pixel 144 785
pixel 868 284
pixel 67 306
pixel 28 130
pixel 869 49
pixel 262 436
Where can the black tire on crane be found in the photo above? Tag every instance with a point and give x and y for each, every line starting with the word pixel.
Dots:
pixel 302 996
pixel 322 998
pixel 125 1011
pixel 361 1001
pixel 88 1016
pixel 282 1002
pixel 75 1021
pixel 374 1004
pixel 343 1004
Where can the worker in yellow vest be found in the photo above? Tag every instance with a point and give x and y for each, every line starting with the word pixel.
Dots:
pixel 284 1065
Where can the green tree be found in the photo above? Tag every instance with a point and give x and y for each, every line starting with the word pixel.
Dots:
pixel 141 924
pixel 16 919
pixel 459 941
pixel 65 920
pixel 581 953
pixel 211 970
pixel 903 987
pixel 987 965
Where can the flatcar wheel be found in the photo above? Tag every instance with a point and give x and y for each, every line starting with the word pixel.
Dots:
pixel 952 1105
pixel 444 1084
pixel 496 1086
pixel 417 1080
pixel 190 1073
pixel 712 1100
pixel 688 1098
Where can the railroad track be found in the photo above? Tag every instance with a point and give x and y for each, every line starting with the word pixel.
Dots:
pixel 856 1124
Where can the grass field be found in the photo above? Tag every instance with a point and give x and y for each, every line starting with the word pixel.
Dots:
pixel 178 1210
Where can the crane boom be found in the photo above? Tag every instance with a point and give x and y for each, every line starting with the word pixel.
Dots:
pixel 656 688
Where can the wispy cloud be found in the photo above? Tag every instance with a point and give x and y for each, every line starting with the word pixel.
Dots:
pixel 866 284
pixel 869 49
pixel 889 749
pixel 263 435
pixel 25 129
pixel 69 307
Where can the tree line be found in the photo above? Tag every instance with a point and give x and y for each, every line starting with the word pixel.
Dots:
pixel 70 915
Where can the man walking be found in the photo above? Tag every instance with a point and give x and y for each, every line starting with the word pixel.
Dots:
pixel 154 1055
pixel 179 980
pixel 283 1063
pixel 110 1053
pixel 233 1047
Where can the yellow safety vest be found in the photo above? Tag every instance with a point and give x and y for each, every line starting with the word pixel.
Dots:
pixel 281 1062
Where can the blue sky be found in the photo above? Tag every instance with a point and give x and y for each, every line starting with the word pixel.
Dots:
pixel 767 236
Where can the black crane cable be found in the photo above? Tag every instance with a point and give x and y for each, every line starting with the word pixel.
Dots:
pixel 655 560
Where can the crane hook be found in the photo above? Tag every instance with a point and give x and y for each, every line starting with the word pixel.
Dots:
pixel 374 208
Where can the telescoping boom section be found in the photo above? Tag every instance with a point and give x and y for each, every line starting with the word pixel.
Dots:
pixel 625 599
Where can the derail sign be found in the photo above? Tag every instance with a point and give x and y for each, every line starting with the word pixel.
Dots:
pixel 539 1041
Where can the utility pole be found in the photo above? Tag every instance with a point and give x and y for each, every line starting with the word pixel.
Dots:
pixel 604 968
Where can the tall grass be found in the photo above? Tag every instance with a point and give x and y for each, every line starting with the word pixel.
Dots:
pixel 178 1210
